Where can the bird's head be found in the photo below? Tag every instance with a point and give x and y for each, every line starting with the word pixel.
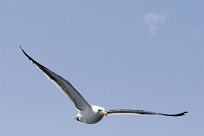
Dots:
pixel 99 110
pixel 103 112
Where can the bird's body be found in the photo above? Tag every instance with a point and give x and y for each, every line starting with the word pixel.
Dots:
pixel 89 114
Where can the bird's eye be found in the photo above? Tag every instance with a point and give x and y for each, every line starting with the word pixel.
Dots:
pixel 99 110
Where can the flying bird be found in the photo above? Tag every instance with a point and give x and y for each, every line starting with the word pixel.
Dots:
pixel 87 113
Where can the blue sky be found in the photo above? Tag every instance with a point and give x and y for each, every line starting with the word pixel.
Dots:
pixel 118 54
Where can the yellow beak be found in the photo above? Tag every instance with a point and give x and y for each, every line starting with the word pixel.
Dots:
pixel 104 113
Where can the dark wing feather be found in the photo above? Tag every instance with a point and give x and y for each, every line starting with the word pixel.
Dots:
pixel 64 85
pixel 141 112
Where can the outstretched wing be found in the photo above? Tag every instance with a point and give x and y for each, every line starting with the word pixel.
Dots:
pixel 64 85
pixel 141 112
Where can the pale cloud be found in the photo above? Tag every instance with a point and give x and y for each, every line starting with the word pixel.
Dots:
pixel 154 21
pixel 153 17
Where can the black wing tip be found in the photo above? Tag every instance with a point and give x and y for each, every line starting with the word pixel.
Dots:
pixel 176 115
pixel 184 113
pixel 23 51
pixel 27 55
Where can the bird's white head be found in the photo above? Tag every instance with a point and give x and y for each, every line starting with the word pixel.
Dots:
pixel 99 110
